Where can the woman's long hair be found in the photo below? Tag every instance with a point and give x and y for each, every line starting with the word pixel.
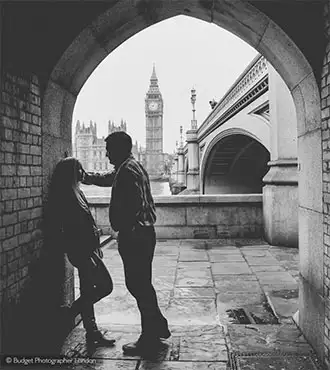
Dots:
pixel 64 197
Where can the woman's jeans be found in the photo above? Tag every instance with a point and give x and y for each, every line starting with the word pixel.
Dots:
pixel 95 283
pixel 136 249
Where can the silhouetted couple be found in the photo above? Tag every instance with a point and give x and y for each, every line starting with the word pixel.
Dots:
pixel 132 214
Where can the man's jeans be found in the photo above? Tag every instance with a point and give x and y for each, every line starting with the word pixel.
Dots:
pixel 136 249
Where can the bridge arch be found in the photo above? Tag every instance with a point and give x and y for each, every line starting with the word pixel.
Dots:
pixel 222 167
pixel 125 18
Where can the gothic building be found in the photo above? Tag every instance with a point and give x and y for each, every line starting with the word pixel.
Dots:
pixel 90 149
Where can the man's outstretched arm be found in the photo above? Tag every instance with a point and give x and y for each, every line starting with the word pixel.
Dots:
pixel 92 178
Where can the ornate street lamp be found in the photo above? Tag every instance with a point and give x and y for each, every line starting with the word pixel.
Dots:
pixel 193 101
pixel 181 137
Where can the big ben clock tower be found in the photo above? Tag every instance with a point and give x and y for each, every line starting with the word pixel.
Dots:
pixel 154 129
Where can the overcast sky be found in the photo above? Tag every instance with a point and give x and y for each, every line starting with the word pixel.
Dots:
pixel 187 53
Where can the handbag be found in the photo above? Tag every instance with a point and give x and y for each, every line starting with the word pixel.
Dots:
pixel 97 234
pixel 101 275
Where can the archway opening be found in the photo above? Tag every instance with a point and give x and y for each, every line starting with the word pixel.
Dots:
pixel 237 165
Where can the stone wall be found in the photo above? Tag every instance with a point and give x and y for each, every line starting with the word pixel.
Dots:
pixel 325 105
pixel 194 216
pixel 21 188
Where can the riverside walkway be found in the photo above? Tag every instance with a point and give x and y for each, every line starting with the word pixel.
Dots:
pixel 230 305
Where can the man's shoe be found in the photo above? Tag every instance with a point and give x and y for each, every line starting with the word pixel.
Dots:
pixel 96 338
pixel 142 346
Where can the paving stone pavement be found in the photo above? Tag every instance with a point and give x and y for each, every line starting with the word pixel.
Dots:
pixel 229 304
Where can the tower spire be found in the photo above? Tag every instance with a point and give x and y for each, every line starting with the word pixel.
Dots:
pixel 153 76
pixel 154 88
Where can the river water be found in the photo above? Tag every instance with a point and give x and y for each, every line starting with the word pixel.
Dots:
pixel 157 188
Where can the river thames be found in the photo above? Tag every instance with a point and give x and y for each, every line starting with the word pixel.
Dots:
pixel 157 188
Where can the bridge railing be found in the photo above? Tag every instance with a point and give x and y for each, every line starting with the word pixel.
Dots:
pixel 255 71
pixel 197 216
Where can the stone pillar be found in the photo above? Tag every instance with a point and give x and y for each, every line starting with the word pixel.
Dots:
pixel 280 192
pixel 175 169
pixel 180 178
pixel 193 184
pixel 177 182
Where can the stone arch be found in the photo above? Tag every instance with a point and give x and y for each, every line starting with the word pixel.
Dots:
pixel 125 18
pixel 221 137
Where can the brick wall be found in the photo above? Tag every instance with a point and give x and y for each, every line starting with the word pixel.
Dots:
pixel 21 187
pixel 325 105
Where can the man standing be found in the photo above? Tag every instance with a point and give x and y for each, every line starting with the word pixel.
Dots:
pixel 132 213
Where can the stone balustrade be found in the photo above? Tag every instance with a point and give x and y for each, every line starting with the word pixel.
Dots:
pixel 197 216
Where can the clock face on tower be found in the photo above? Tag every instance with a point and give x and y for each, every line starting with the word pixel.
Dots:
pixel 153 105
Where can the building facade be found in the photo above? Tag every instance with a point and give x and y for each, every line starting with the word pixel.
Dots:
pixel 90 149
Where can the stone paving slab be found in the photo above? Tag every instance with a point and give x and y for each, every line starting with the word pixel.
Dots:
pixel 267 268
pixel 285 303
pixel 219 243
pixel 194 265
pixel 191 311
pixel 237 283
pixel 169 259
pixel 170 242
pixel 279 286
pixel 270 277
pixel 283 250
pixel 276 363
pixel 251 303
pixel 230 268
pixel 230 257
pixel 192 255
pixel 197 330
pixel 160 283
pixel 268 338
pixel 119 300
pixel 197 277
pixel 166 250
pixel 224 250
pixel 195 243
pixel 118 279
pixel 283 255
pixel 194 292
pixel 256 252
pixel 246 246
pixel 290 265
pixel 255 261
pixel 204 347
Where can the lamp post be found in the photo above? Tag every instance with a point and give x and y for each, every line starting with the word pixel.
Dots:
pixel 193 150
pixel 181 160
pixel 193 101
pixel 181 137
